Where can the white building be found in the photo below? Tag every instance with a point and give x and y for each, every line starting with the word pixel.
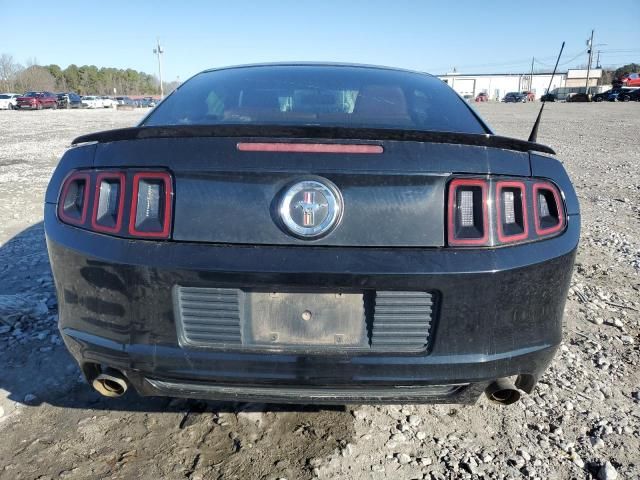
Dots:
pixel 497 85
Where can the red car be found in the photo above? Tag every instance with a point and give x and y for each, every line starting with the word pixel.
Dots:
pixel 482 97
pixel 37 101
pixel 631 80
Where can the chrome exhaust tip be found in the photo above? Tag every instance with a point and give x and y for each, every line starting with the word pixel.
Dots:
pixel 502 391
pixel 112 384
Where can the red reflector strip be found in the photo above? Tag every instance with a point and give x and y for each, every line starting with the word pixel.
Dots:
pixel 309 147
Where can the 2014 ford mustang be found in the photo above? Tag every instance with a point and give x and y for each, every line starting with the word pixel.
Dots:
pixel 312 233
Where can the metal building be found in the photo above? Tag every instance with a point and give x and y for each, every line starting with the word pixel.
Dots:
pixel 497 85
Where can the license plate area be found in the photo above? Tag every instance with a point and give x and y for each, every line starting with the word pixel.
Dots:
pixel 303 319
pixel 236 319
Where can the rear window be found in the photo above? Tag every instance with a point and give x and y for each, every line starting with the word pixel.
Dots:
pixel 355 97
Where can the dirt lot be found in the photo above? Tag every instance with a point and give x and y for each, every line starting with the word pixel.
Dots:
pixel 583 420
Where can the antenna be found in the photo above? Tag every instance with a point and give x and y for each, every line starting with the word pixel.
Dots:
pixel 534 131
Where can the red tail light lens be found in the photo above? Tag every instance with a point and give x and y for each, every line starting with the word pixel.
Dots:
pixel 108 202
pixel 468 224
pixel 511 209
pixel 74 198
pixel 151 205
pixel 149 212
pixel 476 219
pixel 547 206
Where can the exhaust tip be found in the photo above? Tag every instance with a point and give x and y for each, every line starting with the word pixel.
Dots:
pixel 110 384
pixel 503 391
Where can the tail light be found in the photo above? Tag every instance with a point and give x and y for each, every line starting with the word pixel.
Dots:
pixel 511 209
pixel 108 202
pixel 468 223
pixel 477 218
pixel 151 205
pixel 148 214
pixel 74 199
pixel 549 216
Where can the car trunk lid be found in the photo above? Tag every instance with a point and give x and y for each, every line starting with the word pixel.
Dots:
pixel 395 198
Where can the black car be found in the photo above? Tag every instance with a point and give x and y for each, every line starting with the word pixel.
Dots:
pixel 515 97
pixel 610 95
pixel 294 233
pixel 578 97
pixel 69 100
pixel 629 95
pixel 549 97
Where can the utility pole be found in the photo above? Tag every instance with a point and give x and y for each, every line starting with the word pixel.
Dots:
pixel 159 51
pixel 531 75
pixel 590 50
pixel 598 59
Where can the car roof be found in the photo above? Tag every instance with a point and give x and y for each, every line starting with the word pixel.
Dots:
pixel 317 64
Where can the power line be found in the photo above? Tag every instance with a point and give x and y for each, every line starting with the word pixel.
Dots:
pixel 564 63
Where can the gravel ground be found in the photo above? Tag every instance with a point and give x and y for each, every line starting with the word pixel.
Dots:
pixel 583 420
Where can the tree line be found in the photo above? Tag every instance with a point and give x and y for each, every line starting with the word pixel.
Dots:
pixel 84 80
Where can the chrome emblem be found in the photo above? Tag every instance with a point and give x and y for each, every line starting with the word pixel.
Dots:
pixel 311 208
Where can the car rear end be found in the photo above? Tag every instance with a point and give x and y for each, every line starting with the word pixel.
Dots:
pixel 63 100
pixel 27 102
pixel 187 264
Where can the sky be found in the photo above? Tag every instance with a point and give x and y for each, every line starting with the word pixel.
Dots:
pixel 431 36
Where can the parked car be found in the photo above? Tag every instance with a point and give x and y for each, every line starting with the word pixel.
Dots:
pixel 631 80
pixel 69 100
pixel 311 263
pixel 147 102
pixel 629 95
pixel 8 101
pixel 530 96
pixel 37 101
pixel 515 97
pixel 482 97
pixel 549 97
pixel 126 101
pixel 92 102
pixel 108 102
pixel 578 97
pixel 606 96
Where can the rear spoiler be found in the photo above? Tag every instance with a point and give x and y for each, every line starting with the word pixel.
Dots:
pixel 306 132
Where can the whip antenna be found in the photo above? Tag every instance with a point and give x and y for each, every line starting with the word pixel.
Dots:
pixel 534 131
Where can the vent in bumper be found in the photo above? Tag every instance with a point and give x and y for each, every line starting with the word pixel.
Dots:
pixel 208 316
pixel 401 320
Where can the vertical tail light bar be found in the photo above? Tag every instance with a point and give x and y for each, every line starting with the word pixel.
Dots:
pixel 511 209
pixel 548 208
pixel 151 205
pixel 108 202
pixel 467 217
pixel 74 198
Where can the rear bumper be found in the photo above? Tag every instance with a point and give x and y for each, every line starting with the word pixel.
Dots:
pixel 500 315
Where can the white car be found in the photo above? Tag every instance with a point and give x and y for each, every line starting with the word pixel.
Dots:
pixel 8 100
pixel 108 102
pixel 92 102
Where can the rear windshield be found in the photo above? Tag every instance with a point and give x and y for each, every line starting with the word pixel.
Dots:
pixel 355 97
